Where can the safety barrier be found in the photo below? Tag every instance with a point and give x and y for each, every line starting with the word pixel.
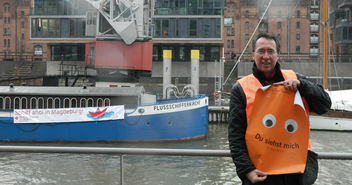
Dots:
pixel 143 151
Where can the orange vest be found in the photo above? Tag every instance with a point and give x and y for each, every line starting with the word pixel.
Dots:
pixel 250 84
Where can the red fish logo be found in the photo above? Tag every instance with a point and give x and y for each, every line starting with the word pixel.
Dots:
pixel 98 113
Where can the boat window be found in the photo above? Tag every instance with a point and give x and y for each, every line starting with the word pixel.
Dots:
pixel 90 102
pixel 83 102
pixel 23 103
pixel 2 103
pixel 50 103
pixel 16 103
pixel 7 102
pixel 40 103
pixel 73 102
pixel 33 104
pixel 106 102
pixel 100 102
pixel 66 103
pixel 57 103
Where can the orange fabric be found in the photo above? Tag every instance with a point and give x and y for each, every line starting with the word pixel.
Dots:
pixel 250 84
pixel 277 134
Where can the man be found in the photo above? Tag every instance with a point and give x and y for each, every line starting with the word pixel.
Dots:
pixel 266 71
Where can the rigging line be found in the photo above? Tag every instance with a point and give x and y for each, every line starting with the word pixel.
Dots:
pixel 244 49
pixel 333 59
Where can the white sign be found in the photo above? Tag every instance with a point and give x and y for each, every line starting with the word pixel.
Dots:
pixel 68 114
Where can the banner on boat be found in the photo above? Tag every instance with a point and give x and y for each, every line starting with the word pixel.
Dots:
pixel 68 114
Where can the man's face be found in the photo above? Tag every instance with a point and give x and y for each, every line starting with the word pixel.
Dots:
pixel 265 55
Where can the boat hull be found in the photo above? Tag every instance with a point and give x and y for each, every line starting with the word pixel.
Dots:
pixel 151 124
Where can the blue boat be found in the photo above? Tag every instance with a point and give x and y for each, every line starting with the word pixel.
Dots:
pixel 144 118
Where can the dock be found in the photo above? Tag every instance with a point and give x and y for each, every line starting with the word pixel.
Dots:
pixel 218 114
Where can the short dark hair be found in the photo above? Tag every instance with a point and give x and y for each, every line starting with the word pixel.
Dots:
pixel 267 36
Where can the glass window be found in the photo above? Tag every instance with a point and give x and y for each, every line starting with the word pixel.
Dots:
pixel 22 24
pixel 278 25
pixel 5 43
pixel 22 13
pixel 5 20
pixel 228 21
pixel 9 20
pixel 298 13
pixel 157 27
pixel 8 43
pixel 228 31
pixel 165 28
pixel 298 25
pixel 246 25
pixel 246 36
pixel 298 36
pixel 246 14
pixel 298 49
pixel 22 36
pixel 228 44
pixel 38 50
pixel 279 36
pixel 232 44
pixel 193 28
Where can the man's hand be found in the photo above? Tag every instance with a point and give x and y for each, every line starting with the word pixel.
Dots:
pixel 289 84
pixel 256 176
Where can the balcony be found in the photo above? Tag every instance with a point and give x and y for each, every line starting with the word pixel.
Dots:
pixel 345 3
pixel 314 39
pixel 314 28
pixel 314 16
pixel 344 33
pixel 314 4
pixel 314 51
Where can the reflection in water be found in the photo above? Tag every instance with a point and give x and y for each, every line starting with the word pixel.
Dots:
pixel 20 168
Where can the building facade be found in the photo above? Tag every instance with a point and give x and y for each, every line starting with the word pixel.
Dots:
pixel 15 42
pixel 182 25
pixel 58 29
pixel 340 19
pixel 295 23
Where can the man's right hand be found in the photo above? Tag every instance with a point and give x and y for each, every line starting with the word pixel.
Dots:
pixel 256 176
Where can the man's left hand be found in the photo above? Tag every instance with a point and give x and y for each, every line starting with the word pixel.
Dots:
pixel 289 84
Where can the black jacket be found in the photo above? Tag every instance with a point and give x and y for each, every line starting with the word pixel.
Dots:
pixel 317 99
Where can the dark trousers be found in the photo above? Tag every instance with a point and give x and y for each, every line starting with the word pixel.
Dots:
pixel 307 178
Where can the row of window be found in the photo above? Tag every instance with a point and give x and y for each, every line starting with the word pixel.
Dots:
pixel 68 52
pixel 7 43
pixel 58 28
pixel 7 102
pixel 187 28
pixel 189 7
pixel 7 20
pixel 61 7
pixel 8 9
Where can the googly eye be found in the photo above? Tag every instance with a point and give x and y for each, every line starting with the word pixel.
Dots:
pixel 291 126
pixel 269 120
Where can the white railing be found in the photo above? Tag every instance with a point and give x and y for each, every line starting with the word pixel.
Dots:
pixel 143 151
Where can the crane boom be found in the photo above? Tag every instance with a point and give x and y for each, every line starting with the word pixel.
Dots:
pixel 128 18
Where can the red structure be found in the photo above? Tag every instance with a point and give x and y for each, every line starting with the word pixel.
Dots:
pixel 118 55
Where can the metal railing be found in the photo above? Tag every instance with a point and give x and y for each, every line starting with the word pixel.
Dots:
pixel 144 151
